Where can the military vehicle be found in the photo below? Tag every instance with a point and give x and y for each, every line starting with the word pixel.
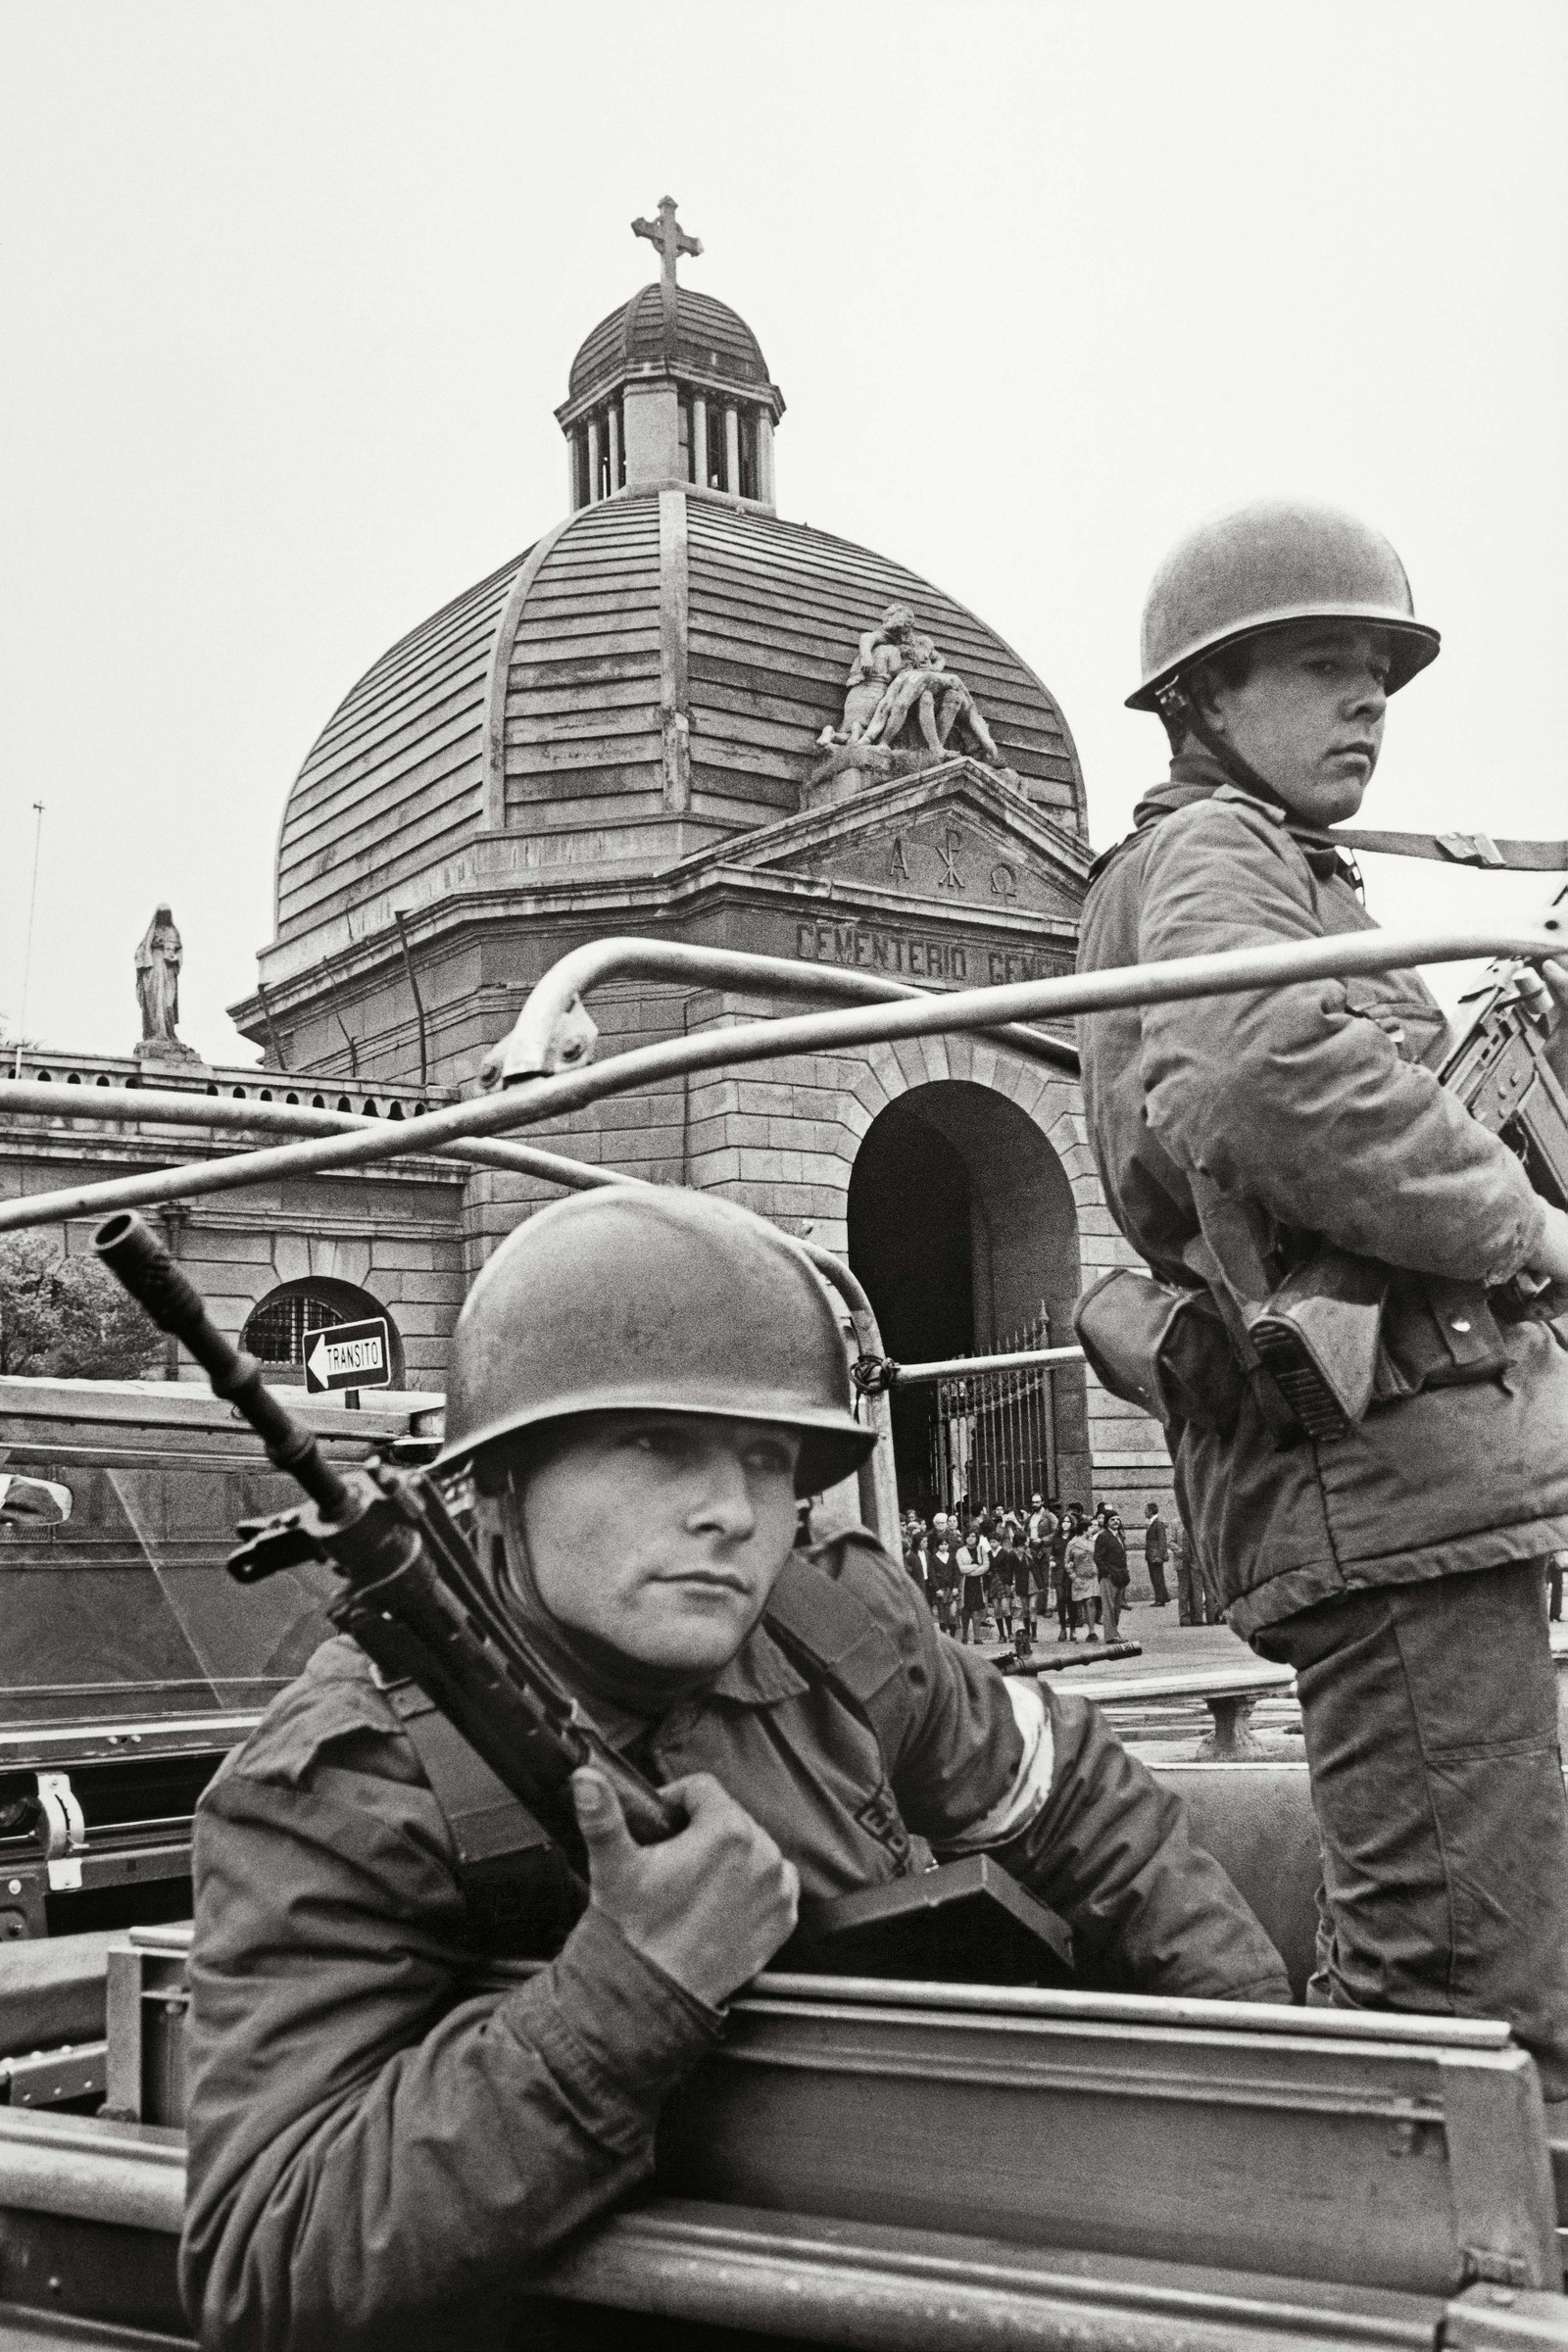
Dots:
pixel 131 1662
pixel 875 2162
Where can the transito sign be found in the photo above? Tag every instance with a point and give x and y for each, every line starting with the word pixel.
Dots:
pixel 349 1355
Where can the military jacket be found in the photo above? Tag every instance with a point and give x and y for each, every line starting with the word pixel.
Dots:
pixel 381 2145
pixel 1319 1104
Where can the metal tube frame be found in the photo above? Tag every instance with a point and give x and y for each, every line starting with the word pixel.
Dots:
pixel 553 1031
pixel 960 1367
pixel 146 1106
pixel 887 1010
pixel 1238 971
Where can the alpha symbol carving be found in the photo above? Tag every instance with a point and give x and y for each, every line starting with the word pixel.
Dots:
pixel 897 864
pixel 950 877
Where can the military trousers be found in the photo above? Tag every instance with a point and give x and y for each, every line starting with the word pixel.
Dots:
pixel 1430 1717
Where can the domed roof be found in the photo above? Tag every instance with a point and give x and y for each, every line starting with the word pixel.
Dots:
pixel 542 709
pixel 709 339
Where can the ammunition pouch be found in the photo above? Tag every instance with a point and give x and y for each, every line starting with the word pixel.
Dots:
pixel 1161 1347
pixel 1437 1335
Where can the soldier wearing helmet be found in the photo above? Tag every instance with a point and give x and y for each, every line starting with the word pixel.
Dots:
pixel 1395 1565
pixel 643 1382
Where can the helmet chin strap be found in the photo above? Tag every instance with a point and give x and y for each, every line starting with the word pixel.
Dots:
pixel 1180 712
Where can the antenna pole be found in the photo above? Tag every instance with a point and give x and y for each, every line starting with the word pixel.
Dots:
pixel 26 960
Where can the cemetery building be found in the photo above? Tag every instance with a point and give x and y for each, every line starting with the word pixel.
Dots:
pixel 678 716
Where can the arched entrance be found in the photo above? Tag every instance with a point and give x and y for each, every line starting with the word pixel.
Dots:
pixel 279 1327
pixel 963 1229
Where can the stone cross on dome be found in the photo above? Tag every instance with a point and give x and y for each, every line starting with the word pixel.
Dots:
pixel 668 234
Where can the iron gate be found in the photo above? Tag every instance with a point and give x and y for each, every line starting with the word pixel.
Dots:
pixel 993 1434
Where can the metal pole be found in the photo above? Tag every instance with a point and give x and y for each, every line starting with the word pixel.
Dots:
pixel 1235 972
pixel 552 1030
pixel 149 1106
pixel 879 1479
pixel 958 1367
pixel 26 960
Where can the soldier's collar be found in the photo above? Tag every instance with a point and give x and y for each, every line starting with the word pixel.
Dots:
pixel 758 1674
pixel 1195 776
pixel 1276 815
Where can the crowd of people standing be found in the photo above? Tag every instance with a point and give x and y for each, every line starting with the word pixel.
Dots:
pixel 999 1574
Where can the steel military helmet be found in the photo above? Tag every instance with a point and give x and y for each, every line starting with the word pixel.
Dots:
pixel 648 1298
pixel 1263 566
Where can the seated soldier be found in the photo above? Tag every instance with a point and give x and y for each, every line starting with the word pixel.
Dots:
pixel 644 1381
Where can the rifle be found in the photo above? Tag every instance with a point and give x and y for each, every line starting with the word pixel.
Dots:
pixel 1499 1070
pixel 414 1594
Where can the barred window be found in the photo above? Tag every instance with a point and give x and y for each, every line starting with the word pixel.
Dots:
pixel 276 1331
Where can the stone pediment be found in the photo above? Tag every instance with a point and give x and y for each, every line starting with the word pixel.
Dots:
pixel 955 837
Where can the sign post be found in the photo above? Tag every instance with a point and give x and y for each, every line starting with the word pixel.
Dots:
pixel 348 1356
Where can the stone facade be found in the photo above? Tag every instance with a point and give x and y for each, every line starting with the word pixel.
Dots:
pixel 393 1239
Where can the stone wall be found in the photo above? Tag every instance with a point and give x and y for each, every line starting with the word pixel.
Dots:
pixel 395 1235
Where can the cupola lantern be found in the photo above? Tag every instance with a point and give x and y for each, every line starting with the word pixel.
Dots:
pixel 670 392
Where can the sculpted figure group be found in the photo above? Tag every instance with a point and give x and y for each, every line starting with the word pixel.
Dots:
pixel 899 674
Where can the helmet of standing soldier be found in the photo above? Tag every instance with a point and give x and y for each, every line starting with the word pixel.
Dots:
pixel 647 1299
pixel 1266 566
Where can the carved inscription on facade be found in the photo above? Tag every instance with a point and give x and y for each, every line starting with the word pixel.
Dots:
pixel 917 955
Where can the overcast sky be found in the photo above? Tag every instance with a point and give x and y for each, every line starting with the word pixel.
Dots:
pixel 291 292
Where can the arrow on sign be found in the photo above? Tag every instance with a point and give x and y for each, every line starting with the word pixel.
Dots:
pixel 349 1355
pixel 335 1360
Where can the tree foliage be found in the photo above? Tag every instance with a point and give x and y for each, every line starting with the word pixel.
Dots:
pixel 67 1318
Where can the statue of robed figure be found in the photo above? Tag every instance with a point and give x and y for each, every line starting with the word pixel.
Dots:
pixel 158 961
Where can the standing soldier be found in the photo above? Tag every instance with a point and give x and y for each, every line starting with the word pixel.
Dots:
pixel 1398 1565
pixel 643 1384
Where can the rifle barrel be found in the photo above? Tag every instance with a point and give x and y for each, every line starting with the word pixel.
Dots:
pixel 138 1259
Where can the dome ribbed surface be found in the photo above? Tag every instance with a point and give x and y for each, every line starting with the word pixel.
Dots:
pixel 711 340
pixel 395 781
pixel 396 784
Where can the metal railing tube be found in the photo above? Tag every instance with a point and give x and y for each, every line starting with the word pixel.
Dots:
pixel 879 1478
pixel 543 1038
pixel 1237 971
pixel 70 2165
pixel 961 1367
pixel 149 1106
